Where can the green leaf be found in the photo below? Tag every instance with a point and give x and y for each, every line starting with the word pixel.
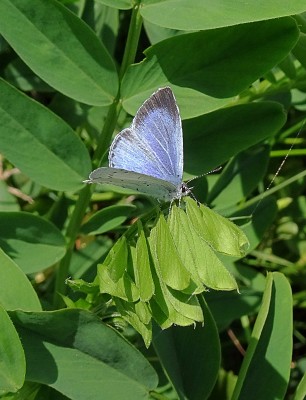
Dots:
pixel 197 256
pixel 246 302
pixel 240 176
pixel 167 260
pixel 11 277
pixel 157 33
pixel 142 269
pixel 188 354
pixel 124 288
pixel 18 74
pixel 265 369
pixel 299 50
pixel 70 57
pixel 177 308
pixel 172 14
pixel 301 390
pixel 84 261
pixel 219 232
pixel 107 219
pixel 32 242
pixel 199 74
pixel 221 134
pixel 117 259
pixel 104 21
pixel 45 148
pixel 139 316
pixel 12 361
pixel 120 4
pixel 82 356
pixel 262 215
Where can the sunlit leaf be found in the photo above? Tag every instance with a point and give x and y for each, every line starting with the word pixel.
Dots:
pixel 142 271
pixel 197 255
pixel 71 58
pixel 219 232
pixel 12 362
pixel 268 356
pixel 167 259
pixel 173 14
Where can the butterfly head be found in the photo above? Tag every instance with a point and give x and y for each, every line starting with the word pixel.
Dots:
pixel 184 190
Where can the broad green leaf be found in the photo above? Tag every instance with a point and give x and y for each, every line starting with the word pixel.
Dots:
pixel 197 256
pixel 288 66
pixel 142 270
pixel 120 4
pixel 246 302
pixel 191 15
pixel 107 219
pixel 160 313
pixel 124 288
pixel 157 33
pixel 265 370
pixel 177 308
pixel 32 242
pixel 45 148
pixel 219 232
pixel 12 360
pixel 82 356
pixel 222 134
pixel 261 215
pixel 188 354
pixel 143 312
pixel 240 176
pixel 299 50
pixel 199 74
pixel 104 21
pixel 300 393
pixel 18 74
pixel 166 257
pixel 11 277
pixel 117 259
pixel 139 316
pixel 248 277
pixel 84 261
pixel 60 48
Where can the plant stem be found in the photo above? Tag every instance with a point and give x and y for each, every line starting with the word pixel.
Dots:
pixel 284 153
pixel 132 41
pixel 105 137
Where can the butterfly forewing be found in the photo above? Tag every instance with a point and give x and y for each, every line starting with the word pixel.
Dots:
pixel 153 145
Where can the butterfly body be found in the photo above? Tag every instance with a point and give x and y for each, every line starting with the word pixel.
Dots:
pixel 148 156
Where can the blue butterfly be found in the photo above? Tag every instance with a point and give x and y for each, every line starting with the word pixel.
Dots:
pixel 148 156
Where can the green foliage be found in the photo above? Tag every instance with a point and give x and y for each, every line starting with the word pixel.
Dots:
pixel 104 293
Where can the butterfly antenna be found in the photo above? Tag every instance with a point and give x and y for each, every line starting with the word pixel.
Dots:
pixel 279 168
pixel 206 173
pixel 200 176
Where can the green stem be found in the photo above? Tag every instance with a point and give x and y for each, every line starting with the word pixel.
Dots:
pixel 105 137
pixel 284 153
pixel 132 41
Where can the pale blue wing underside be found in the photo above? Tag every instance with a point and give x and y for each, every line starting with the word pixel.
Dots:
pixel 153 145
pixel 141 183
